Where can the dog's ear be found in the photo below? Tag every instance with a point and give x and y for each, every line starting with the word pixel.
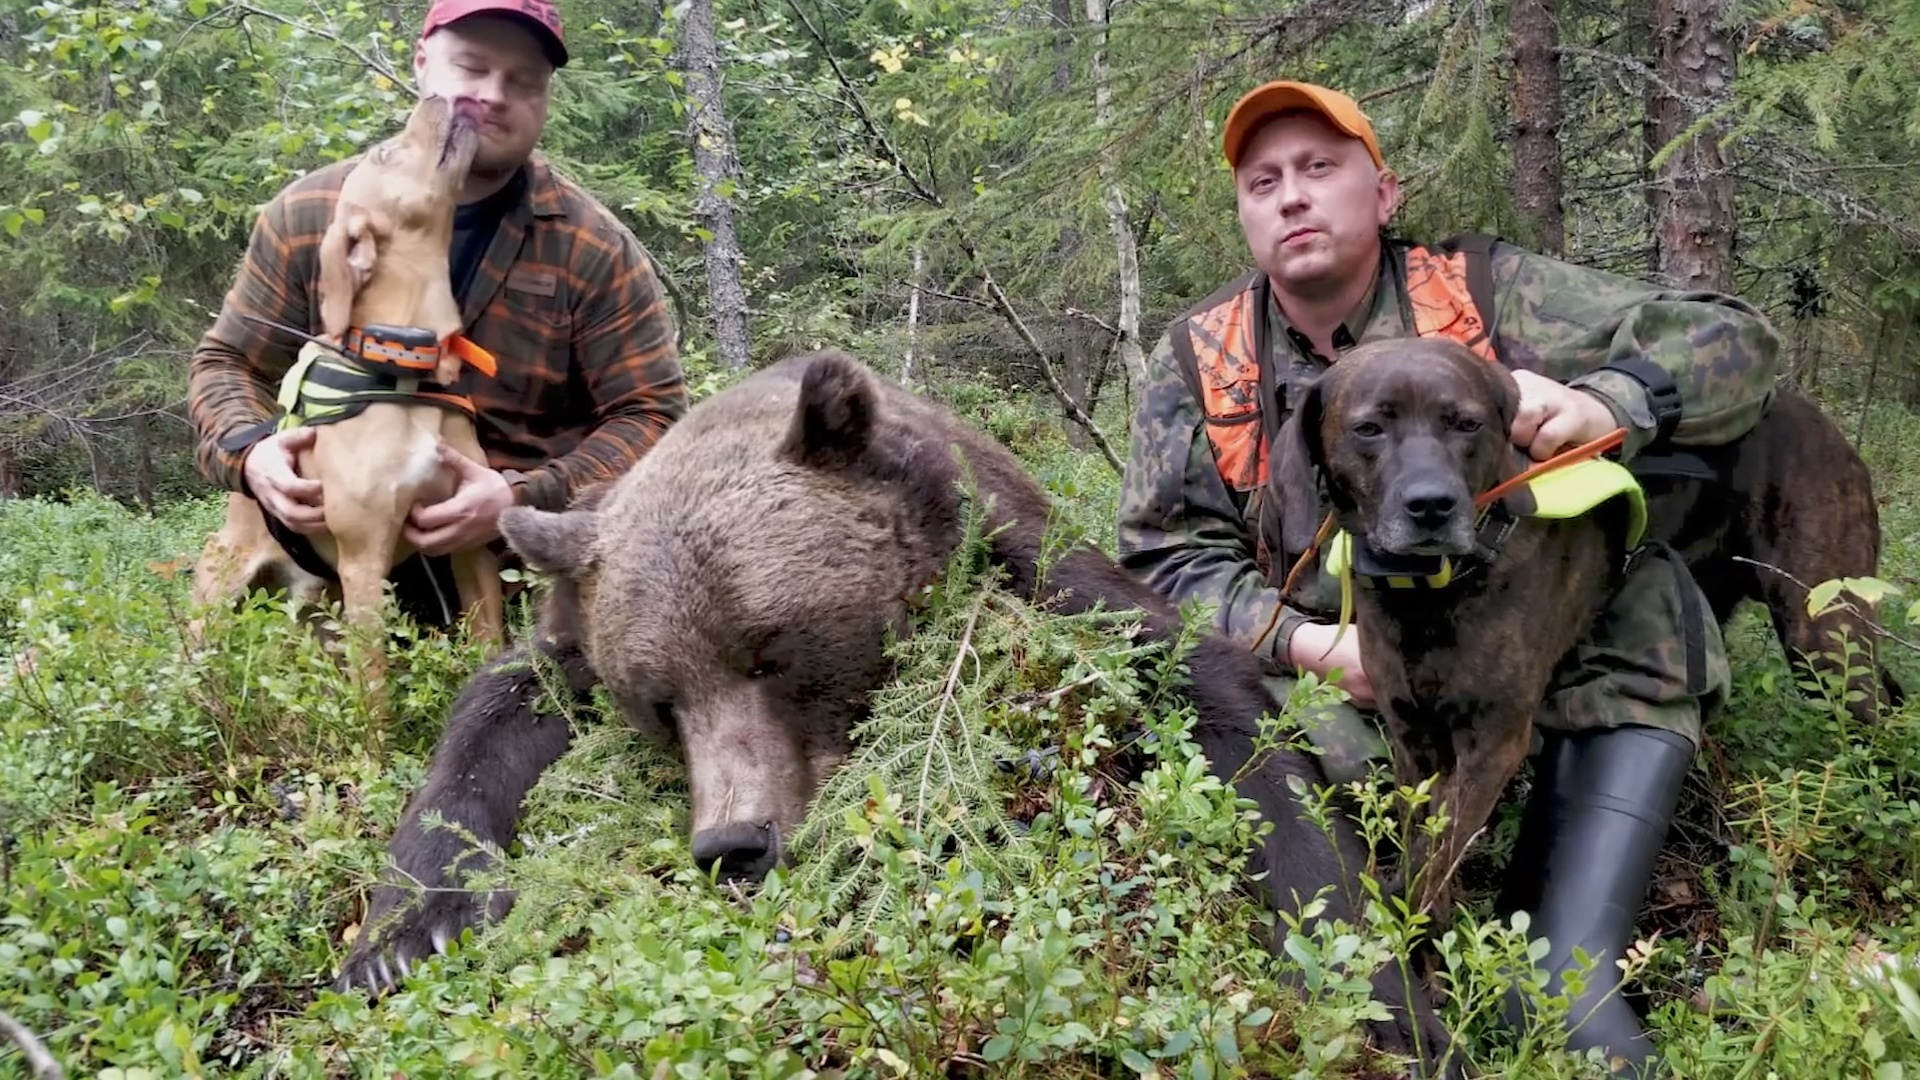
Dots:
pixel 1506 394
pixel 347 254
pixel 1297 466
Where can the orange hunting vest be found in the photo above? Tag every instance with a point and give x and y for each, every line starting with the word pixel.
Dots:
pixel 1227 363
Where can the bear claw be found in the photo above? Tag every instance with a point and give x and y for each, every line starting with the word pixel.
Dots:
pixel 425 930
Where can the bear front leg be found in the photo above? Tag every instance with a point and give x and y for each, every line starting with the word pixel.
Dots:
pixel 495 747
pixel 1296 857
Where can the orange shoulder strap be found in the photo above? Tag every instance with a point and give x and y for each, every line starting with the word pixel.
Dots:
pixel 1228 372
pixel 1443 303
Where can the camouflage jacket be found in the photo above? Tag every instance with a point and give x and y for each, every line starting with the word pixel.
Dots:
pixel 1184 532
pixel 567 299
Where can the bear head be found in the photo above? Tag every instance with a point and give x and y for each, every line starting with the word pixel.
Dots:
pixel 736 588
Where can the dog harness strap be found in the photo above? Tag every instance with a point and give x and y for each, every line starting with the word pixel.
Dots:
pixel 1576 488
pixel 293 381
pixel 325 388
pixel 1566 491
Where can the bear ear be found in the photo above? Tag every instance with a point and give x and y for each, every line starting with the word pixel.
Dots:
pixel 552 543
pixel 834 421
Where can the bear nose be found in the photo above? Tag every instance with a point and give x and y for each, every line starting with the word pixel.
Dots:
pixel 1430 504
pixel 744 851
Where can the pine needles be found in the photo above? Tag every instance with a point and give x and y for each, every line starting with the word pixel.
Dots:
pixel 991 695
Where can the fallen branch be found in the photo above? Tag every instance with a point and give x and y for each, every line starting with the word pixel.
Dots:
pixel 1866 618
pixel 38 1059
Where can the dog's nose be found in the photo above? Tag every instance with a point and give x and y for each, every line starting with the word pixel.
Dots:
pixel 744 852
pixel 1430 505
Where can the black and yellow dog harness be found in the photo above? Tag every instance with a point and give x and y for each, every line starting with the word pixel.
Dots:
pixel 374 363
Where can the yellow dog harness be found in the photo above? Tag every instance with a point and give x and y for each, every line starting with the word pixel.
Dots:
pixel 375 363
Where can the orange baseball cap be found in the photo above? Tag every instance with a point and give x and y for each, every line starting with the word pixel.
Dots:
pixel 1265 100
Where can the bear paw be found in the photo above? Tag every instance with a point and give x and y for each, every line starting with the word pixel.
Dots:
pixel 1428 1059
pixel 392 941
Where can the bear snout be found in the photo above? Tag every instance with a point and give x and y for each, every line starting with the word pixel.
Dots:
pixel 745 852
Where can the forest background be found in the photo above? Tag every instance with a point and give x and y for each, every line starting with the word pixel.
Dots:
pixel 1002 204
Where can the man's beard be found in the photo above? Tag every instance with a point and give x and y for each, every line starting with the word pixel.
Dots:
pixel 489 164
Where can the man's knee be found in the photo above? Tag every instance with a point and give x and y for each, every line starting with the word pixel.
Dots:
pixel 1654 657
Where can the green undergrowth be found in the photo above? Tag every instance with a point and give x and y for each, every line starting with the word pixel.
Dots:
pixel 1024 871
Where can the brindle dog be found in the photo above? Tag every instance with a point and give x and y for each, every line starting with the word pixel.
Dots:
pixel 1405 433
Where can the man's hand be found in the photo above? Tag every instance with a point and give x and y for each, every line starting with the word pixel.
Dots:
pixel 467 519
pixel 272 472
pixel 1308 648
pixel 1554 417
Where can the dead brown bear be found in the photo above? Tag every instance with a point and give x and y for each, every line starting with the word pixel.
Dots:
pixel 734 592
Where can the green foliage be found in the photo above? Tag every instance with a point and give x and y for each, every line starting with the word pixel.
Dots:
pixel 191 836
pixel 187 834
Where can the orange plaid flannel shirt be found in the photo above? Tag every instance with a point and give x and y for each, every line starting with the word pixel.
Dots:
pixel 565 297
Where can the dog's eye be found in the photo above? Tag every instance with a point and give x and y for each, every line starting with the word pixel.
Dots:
pixel 1367 429
pixel 1467 424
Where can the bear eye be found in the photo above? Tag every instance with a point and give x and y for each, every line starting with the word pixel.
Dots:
pixel 1367 429
pixel 763 669
pixel 1467 424
pixel 664 713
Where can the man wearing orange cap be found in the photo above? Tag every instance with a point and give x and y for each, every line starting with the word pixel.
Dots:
pixel 548 279
pixel 1591 352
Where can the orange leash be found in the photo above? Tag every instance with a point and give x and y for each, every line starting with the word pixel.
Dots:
pixel 1566 457
pixel 1326 533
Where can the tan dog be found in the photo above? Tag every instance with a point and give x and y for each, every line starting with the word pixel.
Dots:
pixel 383 264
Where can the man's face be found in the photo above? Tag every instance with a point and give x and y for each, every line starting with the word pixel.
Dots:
pixel 1311 203
pixel 499 62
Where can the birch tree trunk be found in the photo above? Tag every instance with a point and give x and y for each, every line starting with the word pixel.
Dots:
pixel 913 319
pixel 1537 116
pixel 1693 192
pixel 714 169
pixel 1126 257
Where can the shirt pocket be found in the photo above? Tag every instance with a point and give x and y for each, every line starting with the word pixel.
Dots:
pixel 528 327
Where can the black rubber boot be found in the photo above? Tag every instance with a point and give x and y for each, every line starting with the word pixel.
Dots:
pixel 1598 814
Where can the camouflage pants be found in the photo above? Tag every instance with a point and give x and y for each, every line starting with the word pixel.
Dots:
pixel 1654 657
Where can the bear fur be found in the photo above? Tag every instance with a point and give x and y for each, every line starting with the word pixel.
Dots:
pixel 734 592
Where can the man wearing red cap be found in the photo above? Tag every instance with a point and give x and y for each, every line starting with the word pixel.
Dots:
pixel 1591 352
pixel 548 280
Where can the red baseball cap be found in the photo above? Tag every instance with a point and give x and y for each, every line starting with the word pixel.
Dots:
pixel 540 16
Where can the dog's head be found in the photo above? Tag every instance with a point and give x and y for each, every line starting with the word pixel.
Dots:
pixel 408 182
pixel 1405 433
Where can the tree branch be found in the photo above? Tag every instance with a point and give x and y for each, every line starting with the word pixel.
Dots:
pixel 1074 411
pixel 377 65
pixel 1088 316
pixel 887 149
pixel 31 1048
